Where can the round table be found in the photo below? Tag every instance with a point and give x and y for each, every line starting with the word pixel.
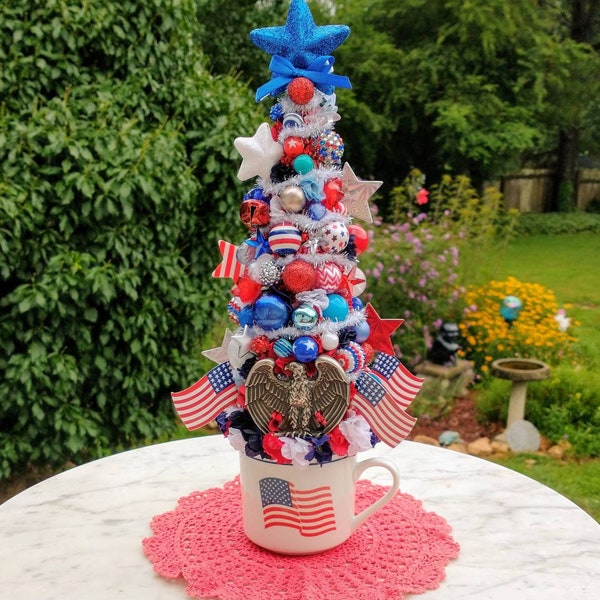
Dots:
pixel 78 534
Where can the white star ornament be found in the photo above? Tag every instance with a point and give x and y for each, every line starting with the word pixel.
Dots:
pixel 259 153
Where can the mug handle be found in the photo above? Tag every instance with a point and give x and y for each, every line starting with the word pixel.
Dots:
pixel 362 466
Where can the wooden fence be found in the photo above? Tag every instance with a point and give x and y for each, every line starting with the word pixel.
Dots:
pixel 530 190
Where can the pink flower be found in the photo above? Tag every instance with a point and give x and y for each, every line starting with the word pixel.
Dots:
pixel 422 196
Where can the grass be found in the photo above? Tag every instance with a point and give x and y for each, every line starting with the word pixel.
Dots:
pixel 569 265
pixel 577 480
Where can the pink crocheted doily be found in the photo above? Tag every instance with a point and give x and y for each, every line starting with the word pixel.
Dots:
pixel 401 549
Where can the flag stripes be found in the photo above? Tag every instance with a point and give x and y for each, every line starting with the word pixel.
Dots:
pixel 308 511
pixel 200 403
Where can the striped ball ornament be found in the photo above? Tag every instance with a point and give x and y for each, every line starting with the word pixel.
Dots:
pixel 285 239
pixel 328 277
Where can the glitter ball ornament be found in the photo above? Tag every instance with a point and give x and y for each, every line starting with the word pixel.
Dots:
pixel 285 239
pixel 298 276
pixel 269 273
pixel 329 148
pixel 362 331
pixel 328 277
pixel 301 90
pixel 334 237
pixel 292 198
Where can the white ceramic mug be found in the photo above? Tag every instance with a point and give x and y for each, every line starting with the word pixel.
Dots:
pixel 303 511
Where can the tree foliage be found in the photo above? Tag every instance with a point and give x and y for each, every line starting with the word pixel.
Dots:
pixel 476 87
pixel 116 181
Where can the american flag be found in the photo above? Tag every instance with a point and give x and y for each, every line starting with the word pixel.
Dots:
pixel 202 402
pixel 388 420
pixel 230 266
pixel 402 385
pixel 308 511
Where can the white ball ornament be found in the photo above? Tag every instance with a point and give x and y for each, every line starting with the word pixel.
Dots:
pixel 329 341
pixel 334 238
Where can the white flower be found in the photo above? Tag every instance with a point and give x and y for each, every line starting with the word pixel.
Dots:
pixel 357 431
pixel 295 450
pixel 563 321
pixel 236 439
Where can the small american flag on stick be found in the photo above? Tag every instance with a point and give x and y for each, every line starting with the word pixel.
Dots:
pixel 308 511
pixel 388 420
pixel 401 384
pixel 208 397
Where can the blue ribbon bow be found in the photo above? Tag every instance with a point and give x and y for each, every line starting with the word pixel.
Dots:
pixel 318 72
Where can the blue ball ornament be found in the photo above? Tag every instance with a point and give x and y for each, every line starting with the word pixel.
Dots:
pixel 305 349
pixel 337 309
pixel 362 331
pixel 357 304
pixel 316 211
pixel 282 347
pixel 303 164
pixel 271 312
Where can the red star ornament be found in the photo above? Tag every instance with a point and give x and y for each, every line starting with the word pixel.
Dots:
pixel 381 330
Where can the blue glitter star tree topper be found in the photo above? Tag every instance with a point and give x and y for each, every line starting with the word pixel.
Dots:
pixel 300 40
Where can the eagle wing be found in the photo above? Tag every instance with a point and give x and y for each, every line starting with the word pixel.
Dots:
pixel 330 391
pixel 265 394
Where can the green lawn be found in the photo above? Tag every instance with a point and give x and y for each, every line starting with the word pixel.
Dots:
pixel 569 265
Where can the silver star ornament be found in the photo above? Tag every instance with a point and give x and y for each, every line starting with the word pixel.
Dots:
pixel 357 193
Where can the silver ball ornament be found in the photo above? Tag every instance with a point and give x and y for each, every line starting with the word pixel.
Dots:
pixel 292 198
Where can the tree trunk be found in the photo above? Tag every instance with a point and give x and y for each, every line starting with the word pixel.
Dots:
pixel 564 197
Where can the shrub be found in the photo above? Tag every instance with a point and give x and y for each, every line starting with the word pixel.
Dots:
pixel 417 266
pixel 535 333
pixel 565 406
pixel 557 223
pixel 114 143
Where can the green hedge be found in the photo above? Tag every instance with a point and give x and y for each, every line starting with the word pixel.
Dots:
pixel 557 223
pixel 117 177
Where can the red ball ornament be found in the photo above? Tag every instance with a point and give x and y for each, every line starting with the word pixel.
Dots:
pixel 301 90
pixel 361 239
pixel 333 193
pixel 298 276
pixel 293 146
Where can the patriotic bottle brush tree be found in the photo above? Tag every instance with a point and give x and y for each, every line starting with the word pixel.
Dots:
pixel 309 373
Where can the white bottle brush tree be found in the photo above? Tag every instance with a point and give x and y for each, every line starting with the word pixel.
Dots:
pixel 309 372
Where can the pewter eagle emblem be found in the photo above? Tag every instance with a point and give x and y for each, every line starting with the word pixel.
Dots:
pixel 298 398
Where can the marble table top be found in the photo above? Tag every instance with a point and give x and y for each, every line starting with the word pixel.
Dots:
pixel 78 534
